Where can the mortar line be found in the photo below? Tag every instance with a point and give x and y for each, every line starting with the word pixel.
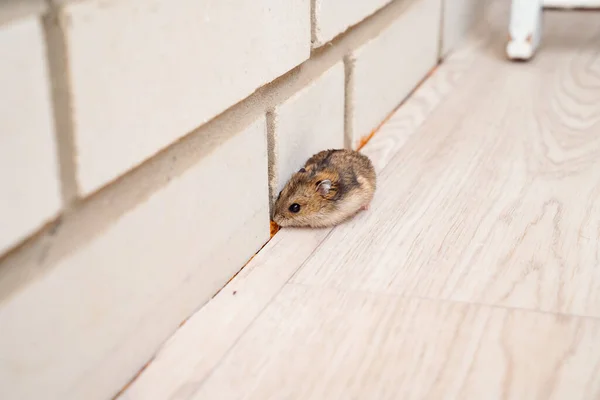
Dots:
pixel 313 23
pixel 441 32
pixel 62 104
pixel 348 101
pixel 272 157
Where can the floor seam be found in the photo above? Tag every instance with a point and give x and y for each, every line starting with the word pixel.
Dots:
pixel 454 301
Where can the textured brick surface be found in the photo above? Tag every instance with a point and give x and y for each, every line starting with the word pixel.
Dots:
pixel 310 121
pixel 84 328
pixel 146 72
pixel 460 16
pixel 387 68
pixel 333 17
pixel 11 10
pixel 28 165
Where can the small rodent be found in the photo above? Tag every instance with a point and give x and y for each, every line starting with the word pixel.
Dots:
pixel 333 186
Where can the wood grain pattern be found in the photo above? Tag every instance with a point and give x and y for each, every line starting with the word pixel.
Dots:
pixel 326 344
pixel 497 199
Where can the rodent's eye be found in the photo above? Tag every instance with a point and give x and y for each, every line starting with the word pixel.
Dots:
pixel 295 208
pixel 302 170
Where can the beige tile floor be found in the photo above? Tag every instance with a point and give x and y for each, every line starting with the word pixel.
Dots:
pixel 474 275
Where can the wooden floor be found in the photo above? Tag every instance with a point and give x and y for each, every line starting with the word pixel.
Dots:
pixel 474 275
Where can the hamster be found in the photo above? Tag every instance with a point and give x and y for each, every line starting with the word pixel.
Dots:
pixel 333 186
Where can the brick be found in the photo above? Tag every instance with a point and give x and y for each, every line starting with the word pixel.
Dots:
pixel 145 73
pixel 387 68
pixel 28 156
pixel 460 16
pixel 333 17
pixel 86 326
pixel 310 121
pixel 15 9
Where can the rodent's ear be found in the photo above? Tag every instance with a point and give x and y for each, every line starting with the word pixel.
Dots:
pixel 324 187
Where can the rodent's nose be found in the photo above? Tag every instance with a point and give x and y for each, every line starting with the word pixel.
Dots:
pixel 278 220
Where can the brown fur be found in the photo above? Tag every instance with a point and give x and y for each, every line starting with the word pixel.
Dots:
pixel 353 183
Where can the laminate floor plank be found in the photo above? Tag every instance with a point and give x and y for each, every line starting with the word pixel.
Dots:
pixel 315 343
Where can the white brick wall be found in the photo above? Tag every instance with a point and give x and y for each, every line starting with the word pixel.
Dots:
pixel 386 69
pixel 310 121
pixel 82 330
pixel 146 72
pixel 333 17
pixel 28 165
